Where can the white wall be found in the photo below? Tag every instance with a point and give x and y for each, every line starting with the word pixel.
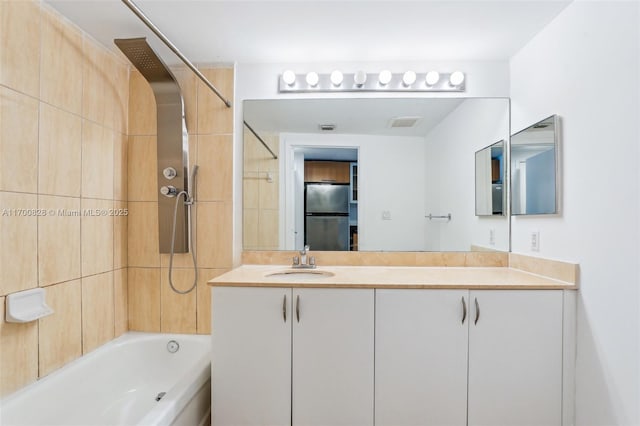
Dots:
pixel 584 66
pixel 391 177
pixel 451 147
pixel 259 81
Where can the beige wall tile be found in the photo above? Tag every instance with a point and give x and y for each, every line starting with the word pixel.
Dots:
pixel 96 229
pixel 268 225
pixel 213 114
pixel 251 190
pixel 253 151
pixel 120 238
pixel 120 166
pixel 118 95
pixel 267 162
pixel 95 69
pixel 18 352
pixel 269 193
pixel 61 63
pixel 20 41
pixel 144 299
pixel 143 242
pixel 18 142
pixel 18 242
pixel 215 173
pixel 214 242
pixel 120 298
pixel 142 169
pixel 142 106
pixel 204 298
pixel 180 260
pixel 58 239
pixel 60 334
pixel 97 311
pixel 97 161
pixel 250 224
pixel 60 147
pixel 178 310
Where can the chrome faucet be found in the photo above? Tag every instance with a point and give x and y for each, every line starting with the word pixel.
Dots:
pixel 302 262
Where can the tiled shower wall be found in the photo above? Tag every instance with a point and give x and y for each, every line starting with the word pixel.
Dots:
pixel 260 203
pixel 63 126
pixel 153 306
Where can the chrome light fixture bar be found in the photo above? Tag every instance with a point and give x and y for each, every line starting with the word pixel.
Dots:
pixel 385 81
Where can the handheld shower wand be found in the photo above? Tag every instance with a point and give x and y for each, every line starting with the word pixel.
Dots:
pixel 189 200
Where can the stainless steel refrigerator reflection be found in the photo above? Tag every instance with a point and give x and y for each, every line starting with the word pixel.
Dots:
pixel 327 217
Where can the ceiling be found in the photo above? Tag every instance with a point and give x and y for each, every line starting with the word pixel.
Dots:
pixel 212 31
pixel 370 116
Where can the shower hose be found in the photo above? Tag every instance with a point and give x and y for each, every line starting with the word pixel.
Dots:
pixel 189 202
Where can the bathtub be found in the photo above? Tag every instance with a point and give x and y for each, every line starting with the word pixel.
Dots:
pixel 121 383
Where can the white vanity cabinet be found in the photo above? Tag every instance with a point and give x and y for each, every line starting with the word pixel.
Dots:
pixel 516 358
pixel 421 357
pixel 251 356
pixel 292 356
pixel 333 344
pixel 502 365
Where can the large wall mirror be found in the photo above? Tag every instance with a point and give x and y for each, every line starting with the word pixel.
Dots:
pixel 534 168
pixel 370 174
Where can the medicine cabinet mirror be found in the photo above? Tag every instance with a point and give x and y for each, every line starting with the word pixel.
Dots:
pixel 534 168
pixel 490 188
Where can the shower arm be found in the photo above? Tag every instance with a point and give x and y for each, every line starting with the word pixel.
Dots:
pixel 136 10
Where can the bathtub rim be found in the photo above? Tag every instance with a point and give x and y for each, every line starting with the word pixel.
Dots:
pixel 166 406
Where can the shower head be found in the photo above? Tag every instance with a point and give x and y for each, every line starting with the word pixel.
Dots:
pixel 138 51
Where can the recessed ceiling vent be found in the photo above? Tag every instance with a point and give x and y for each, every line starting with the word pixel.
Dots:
pixel 327 127
pixel 404 121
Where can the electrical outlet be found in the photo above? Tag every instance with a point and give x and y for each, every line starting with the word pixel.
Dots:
pixel 535 241
pixel 492 237
pixel 386 215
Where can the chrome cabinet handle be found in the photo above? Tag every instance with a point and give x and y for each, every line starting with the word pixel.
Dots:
pixel 477 311
pixel 464 310
pixel 284 308
pixel 298 308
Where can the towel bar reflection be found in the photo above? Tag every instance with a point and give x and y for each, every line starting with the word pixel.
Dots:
pixel 431 216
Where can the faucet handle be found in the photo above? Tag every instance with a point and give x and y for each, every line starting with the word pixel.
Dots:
pixel 312 261
pixel 296 260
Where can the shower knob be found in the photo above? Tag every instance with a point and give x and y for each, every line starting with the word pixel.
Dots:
pixel 169 191
pixel 169 173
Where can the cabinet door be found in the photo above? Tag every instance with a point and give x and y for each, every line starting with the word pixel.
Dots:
pixel 251 363
pixel 333 357
pixel 421 357
pixel 515 358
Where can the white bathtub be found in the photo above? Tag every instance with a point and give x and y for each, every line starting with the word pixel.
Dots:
pixel 118 383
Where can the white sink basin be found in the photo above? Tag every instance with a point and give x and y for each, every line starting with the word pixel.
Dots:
pixel 299 274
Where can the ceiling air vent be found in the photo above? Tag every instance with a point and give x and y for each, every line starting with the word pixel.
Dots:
pixel 404 121
pixel 327 127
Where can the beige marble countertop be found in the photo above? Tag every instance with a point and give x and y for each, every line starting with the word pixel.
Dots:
pixel 390 277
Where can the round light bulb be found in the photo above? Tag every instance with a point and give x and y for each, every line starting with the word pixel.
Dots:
pixel 359 78
pixel 456 78
pixel 312 79
pixel 336 78
pixel 384 77
pixel 432 78
pixel 289 77
pixel 408 78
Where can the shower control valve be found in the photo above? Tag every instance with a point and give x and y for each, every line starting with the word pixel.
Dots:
pixel 169 191
pixel 169 173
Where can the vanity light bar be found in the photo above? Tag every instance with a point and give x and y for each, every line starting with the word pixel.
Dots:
pixel 385 81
